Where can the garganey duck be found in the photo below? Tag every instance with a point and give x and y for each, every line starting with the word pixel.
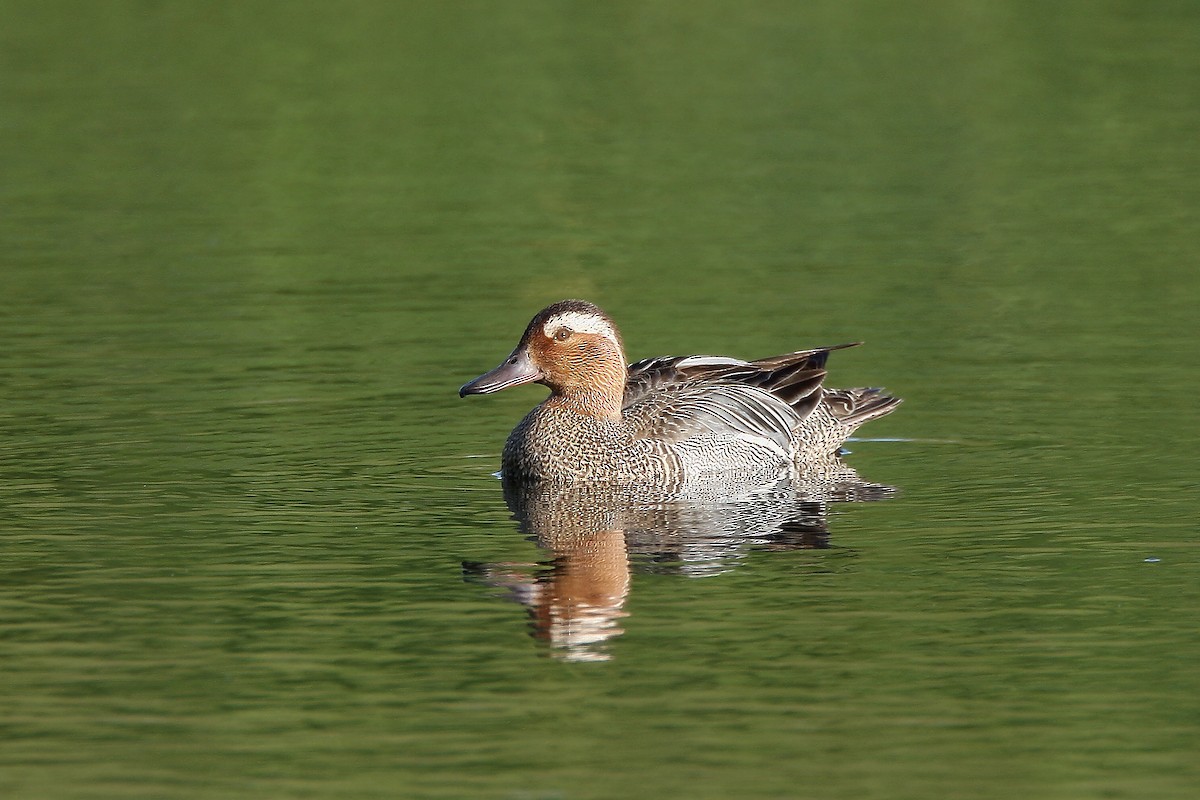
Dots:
pixel 670 419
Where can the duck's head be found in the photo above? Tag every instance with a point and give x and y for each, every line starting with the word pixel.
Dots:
pixel 574 348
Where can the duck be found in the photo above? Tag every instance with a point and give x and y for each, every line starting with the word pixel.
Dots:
pixel 667 419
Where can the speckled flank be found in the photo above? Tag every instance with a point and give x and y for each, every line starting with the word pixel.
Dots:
pixel 554 443
pixel 667 420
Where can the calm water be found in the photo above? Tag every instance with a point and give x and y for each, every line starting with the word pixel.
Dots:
pixel 253 544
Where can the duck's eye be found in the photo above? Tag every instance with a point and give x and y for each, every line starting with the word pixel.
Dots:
pixel 562 334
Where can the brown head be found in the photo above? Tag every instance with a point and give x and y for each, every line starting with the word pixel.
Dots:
pixel 574 348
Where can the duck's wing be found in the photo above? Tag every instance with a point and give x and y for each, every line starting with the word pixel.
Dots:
pixel 679 414
pixel 676 398
pixel 792 377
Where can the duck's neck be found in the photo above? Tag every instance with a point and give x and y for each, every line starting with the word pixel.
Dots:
pixel 600 393
pixel 599 404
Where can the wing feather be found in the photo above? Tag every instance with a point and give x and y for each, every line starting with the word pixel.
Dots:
pixel 770 400
pixel 721 409
pixel 676 398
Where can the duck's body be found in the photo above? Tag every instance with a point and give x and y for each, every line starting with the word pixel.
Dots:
pixel 671 419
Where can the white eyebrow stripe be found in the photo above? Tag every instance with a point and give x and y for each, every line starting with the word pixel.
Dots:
pixel 581 323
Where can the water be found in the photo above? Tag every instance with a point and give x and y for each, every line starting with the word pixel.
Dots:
pixel 252 250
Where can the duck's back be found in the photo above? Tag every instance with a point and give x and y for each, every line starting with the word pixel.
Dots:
pixel 734 411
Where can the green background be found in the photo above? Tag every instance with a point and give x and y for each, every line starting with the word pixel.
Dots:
pixel 250 251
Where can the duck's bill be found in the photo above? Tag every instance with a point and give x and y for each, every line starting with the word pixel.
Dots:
pixel 516 370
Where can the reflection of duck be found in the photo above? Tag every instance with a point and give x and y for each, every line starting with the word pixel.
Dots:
pixel 666 420
pixel 597 533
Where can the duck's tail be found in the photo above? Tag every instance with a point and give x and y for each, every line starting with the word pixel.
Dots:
pixel 853 407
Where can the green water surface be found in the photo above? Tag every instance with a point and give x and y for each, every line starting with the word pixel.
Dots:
pixel 250 251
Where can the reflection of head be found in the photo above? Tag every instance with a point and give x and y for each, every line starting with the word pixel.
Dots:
pixel 579 599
